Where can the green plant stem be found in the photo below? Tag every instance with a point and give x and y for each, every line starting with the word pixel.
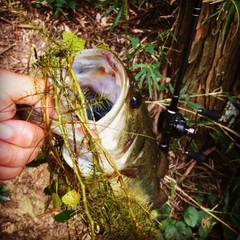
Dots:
pixel 74 159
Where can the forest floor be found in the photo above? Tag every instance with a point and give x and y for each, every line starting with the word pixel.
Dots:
pixel 24 217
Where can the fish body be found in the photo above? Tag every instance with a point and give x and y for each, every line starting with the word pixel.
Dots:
pixel 125 129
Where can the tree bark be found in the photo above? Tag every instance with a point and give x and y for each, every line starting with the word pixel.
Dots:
pixel 214 61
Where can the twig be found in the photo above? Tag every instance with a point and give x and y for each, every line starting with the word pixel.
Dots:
pixel 189 169
pixel 28 26
pixel 5 20
pixel 7 48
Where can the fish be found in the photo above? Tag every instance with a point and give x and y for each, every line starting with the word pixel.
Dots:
pixel 121 123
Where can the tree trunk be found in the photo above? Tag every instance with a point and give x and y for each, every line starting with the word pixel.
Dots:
pixel 214 61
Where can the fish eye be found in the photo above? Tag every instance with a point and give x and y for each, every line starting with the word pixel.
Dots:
pixel 136 101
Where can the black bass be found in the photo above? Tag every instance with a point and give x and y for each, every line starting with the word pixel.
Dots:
pixel 121 123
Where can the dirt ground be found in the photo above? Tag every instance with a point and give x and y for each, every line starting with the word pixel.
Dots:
pixel 24 216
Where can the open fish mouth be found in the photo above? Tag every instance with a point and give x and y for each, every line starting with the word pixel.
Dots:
pixel 100 75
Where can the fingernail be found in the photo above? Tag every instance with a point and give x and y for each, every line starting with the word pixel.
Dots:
pixel 6 131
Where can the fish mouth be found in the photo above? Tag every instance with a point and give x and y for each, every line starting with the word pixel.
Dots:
pixel 100 72
pixel 101 76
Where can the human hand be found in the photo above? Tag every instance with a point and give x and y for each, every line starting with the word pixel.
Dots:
pixel 19 140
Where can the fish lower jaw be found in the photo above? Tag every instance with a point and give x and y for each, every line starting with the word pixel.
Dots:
pixel 85 162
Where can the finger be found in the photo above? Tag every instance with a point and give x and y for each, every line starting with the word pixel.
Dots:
pixel 27 90
pixel 21 133
pixel 7 173
pixel 13 156
pixel 21 89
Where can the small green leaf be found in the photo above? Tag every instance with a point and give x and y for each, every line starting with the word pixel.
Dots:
pixel 188 233
pixel 149 48
pixel 234 102
pixel 184 89
pixel 139 74
pixel 71 198
pixel 142 80
pixel 57 203
pixel 228 19
pixel 72 42
pixel 59 6
pixel 64 215
pixel 205 227
pixel 150 90
pixel 135 42
pixel 41 158
pixel 38 5
pixel 191 216
pixel 173 189
pixel 193 145
pixel 206 224
pixel 165 209
pixel 167 222
pixel 57 13
pixel 3 188
pixel 172 35
pixel 49 189
pixel 193 105
pixel 140 65
pixel 115 5
pixel 185 96
pixel 154 78
pixel 202 214
pixel 170 232
pixel 72 4
pixel 119 15
pixel 180 226
pixel 171 89
pixel 184 230
pixel 161 213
